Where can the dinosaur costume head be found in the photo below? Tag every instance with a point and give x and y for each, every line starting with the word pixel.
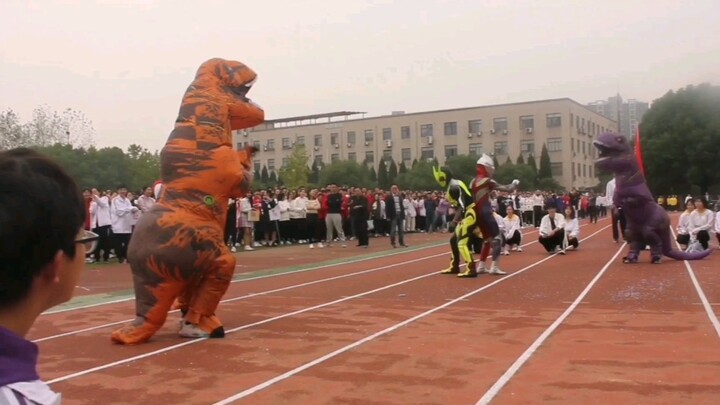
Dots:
pixel 614 152
pixel 443 175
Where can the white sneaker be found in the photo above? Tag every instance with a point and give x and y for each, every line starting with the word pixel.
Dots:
pixel 505 252
pixel 320 245
pixel 481 268
pixel 519 248
pixel 312 246
pixel 495 270
pixel 514 248
pixel 248 247
pixel 562 251
pixel 190 330
pixel 233 249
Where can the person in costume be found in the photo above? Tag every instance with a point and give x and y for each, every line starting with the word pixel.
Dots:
pixel 460 198
pixel 482 187
pixel 178 251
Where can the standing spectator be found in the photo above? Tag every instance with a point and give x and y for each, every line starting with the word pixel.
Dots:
pixel 122 212
pixel 333 220
pixel 101 222
pixel 717 221
pixel 359 214
pixel 572 228
pixel 430 206
pixel 244 223
pixel 396 215
pixel 537 204
pixel 315 231
pixel 231 225
pixel 42 254
pixel 410 212
pixel 145 201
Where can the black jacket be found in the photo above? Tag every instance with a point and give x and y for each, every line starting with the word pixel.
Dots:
pixel 390 206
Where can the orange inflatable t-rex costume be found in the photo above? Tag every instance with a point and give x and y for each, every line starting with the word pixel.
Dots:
pixel 177 250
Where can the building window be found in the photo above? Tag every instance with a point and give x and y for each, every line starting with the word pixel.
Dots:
pixel 527 147
pixel 256 144
pixel 370 157
pixel 285 162
pixel 578 169
pixel 590 171
pixel 556 169
pixel 351 137
pixel 271 165
pixel 572 116
pixel 426 130
pixel 387 154
pixel 405 132
pixel 553 120
pixel 405 154
pixel 334 157
pixel 270 144
pixel 583 147
pixel 475 126
pixel 476 149
pixel 369 135
pixel 387 134
pixel 256 167
pixel 577 147
pixel 577 122
pixel 527 122
pixel 300 140
pixel 450 151
pixel 318 140
pixel 319 160
pixel 240 145
pixel 352 156
pixel 334 138
pixel 500 124
pixel 554 144
pixel 501 148
pixel 286 143
pixel 450 128
pixel 584 171
pixel 427 153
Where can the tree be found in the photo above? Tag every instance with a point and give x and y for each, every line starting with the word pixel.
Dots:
pixel 314 177
pixel 508 161
pixel 296 172
pixel 414 162
pixel 532 164
pixel 264 175
pixel 346 172
pixel 420 177
pixel 46 127
pixel 520 160
pixel 144 165
pixel 382 175
pixel 545 171
pixel 402 169
pixel 392 172
pixel 11 131
pixel 680 140
pixel 495 161
pixel 273 180
pixel 507 173
pixel 373 176
pixel 463 167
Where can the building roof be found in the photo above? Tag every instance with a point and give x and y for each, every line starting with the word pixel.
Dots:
pixel 313 117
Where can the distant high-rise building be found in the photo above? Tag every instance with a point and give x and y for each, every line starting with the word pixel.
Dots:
pixel 627 114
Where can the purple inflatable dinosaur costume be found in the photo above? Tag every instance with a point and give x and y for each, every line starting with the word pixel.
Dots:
pixel 647 222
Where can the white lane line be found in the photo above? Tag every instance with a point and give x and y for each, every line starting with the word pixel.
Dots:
pixel 324 266
pixel 355 344
pixel 252 295
pixel 706 304
pixel 505 378
pixel 107 325
pixel 190 342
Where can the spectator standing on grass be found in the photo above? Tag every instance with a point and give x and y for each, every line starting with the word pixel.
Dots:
pixel 39 267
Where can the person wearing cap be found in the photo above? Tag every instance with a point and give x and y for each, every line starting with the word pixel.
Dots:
pixel 552 231
pixel 39 264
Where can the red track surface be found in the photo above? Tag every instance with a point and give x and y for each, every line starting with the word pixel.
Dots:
pixel 400 333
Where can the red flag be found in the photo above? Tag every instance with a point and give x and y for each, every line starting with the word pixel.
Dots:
pixel 638 151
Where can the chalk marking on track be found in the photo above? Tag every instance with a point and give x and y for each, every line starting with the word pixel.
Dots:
pixel 706 304
pixel 193 341
pixel 510 372
pixel 355 344
pixel 301 270
pixel 107 325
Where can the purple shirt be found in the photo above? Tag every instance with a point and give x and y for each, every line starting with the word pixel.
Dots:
pixel 19 380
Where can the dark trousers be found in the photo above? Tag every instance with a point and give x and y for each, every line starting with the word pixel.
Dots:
pixel 514 240
pixel 121 245
pixel 618 219
pixel 104 242
pixel 361 231
pixel 572 241
pixel 593 211
pixel 551 242
pixel 396 227
pixel 537 212
pixel 704 238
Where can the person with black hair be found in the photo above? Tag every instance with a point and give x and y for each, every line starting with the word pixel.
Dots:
pixel 42 253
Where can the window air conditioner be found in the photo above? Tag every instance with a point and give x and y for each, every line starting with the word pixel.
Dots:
pixel 316 148
pixel 529 130
pixel 470 135
pixel 388 144
pixel 367 143
pixel 492 131
pixel 430 140
pixel 505 131
pixel 349 145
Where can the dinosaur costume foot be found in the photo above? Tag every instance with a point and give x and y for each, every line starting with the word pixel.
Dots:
pixel 656 260
pixel 630 258
pixel 206 327
pixel 134 334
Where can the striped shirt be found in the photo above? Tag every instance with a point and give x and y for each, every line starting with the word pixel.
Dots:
pixel 19 381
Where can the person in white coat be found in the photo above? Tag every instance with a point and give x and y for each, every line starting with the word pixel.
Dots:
pixel 701 223
pixel 122 211
pixel 100 223
pixel 572 228
pixel 513 236
pixel 683 236
pixel 717 224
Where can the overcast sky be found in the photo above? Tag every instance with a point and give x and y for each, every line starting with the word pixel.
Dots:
pixel 126 64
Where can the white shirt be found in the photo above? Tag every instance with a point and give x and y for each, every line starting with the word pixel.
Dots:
pixel 511 225
pixel 500 221
pixel 298 208
pixel 99 212
pixel 683 222
pixel 144 203
pixel 284 210
pixel 717 223
pixel 572 228
pixel 700 221
pixel 122 218
pixel 545 227
pixel 610 192
pixel 409 205
pixel 537 200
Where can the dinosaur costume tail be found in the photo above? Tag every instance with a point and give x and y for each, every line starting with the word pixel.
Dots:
pixel 679 254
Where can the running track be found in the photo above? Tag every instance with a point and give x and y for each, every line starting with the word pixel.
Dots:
pixel 580 328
